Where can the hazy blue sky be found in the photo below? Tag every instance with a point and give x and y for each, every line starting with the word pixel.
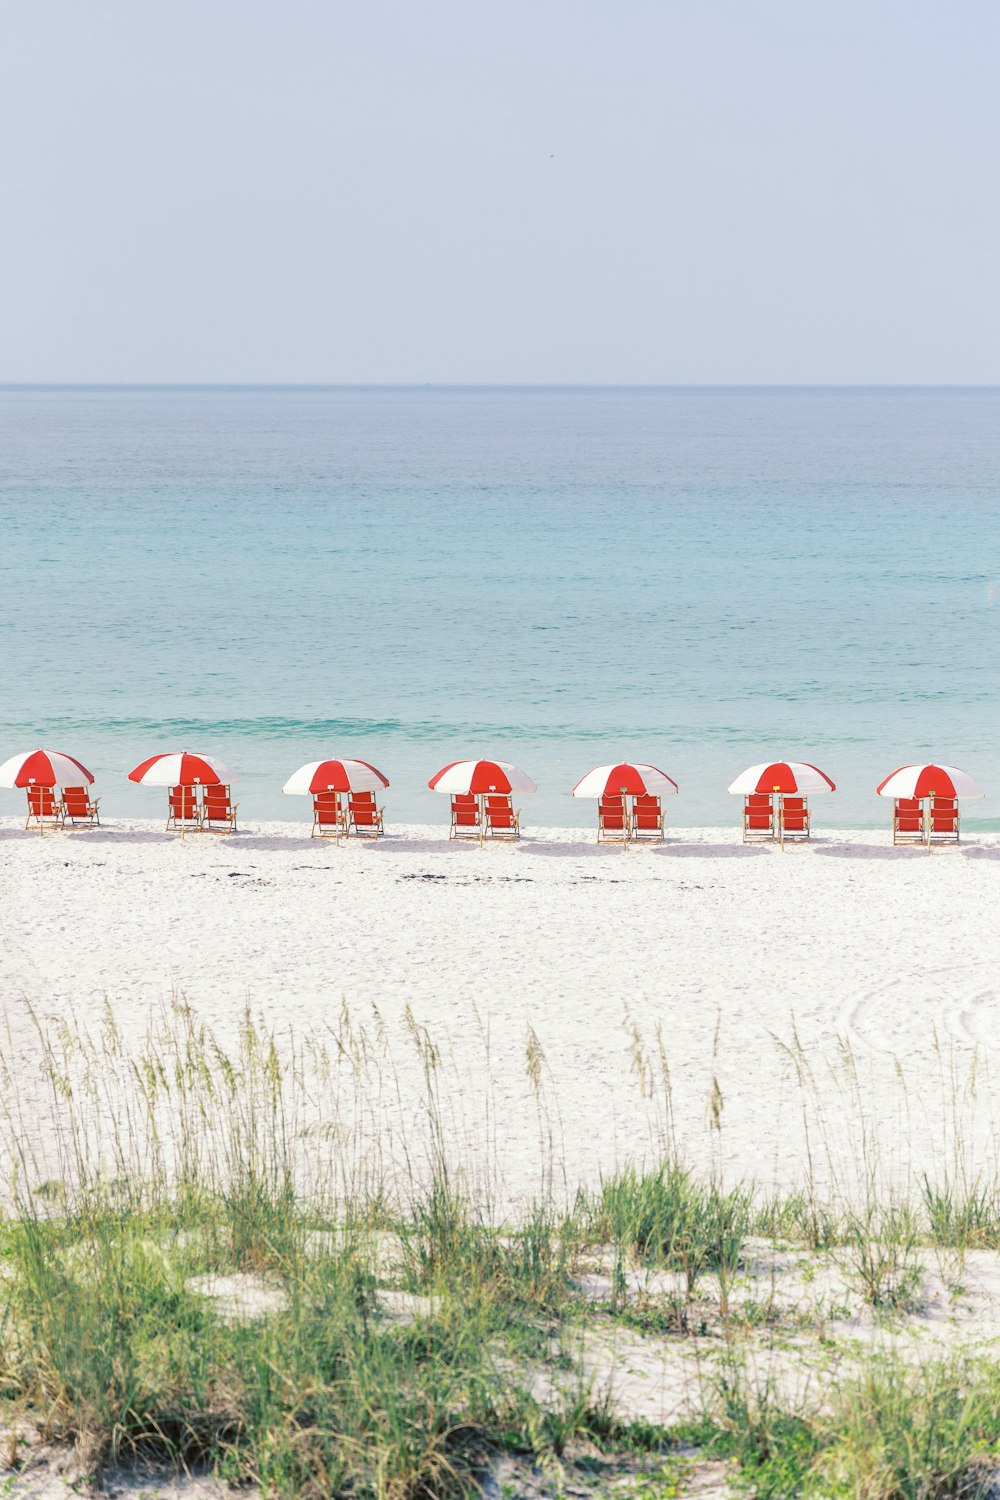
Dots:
pixel 524 190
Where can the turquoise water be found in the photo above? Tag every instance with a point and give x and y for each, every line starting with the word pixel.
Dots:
pixel 701 578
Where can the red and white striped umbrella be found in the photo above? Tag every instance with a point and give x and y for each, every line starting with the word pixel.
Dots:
pixel 180 768
pixel 929 781
pixel 480 777
pixel 637 780
pixel 335 776
pixel 43 768
pixel 795 777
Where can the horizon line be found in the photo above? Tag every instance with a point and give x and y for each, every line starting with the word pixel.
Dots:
pixel 446 385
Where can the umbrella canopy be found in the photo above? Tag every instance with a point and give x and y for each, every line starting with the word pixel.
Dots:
pixel 927 781
pixel 796 777
pixel 43 768
pixel 335 776
pixel 480 777
pixel 635 780
pixel 180 768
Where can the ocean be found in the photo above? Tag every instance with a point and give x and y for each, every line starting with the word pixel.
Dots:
pixel 700 578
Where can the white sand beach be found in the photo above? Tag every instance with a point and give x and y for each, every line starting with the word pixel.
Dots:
pixel 883 961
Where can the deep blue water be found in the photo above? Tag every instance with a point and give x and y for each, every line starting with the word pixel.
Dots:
pixel 701 578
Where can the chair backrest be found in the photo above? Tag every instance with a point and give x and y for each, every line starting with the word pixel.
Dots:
pixel 648 811
pixel 217 800
pixel 908 815
pixel 183 801
pixel 758 812
pixel 465 810
pixel 41 801
pixel 944 813
pixel 76 800
pixel 499 812
pixel 611 812
pixel 326 807
pixel 794 814
pixel 362 808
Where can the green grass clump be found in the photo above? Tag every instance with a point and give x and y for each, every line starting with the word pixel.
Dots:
pixel 798 1217
pixel 325 1394
pixel 102 1338
pixel 671 1219
pixel 962 1215
pixel 893 1431
pixel 775 1448
pixel 526 1270
pixel 880 1252
pixel 896 1432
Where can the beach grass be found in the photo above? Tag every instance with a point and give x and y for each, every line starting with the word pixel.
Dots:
pixel 199 1265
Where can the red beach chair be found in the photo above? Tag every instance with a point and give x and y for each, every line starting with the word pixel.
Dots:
pixel 465 816
pixel 183 812
pixel 758 818
pixel 612 821
pixel 328 817
pixel 647 820
pixel 908 821
pixel 77 808
pixel 364 819
pixel 43 809
pixel 793 820
pixel 943 821
pixel 218 812
pixel 502 822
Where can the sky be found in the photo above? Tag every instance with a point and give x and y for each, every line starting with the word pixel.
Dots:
pixel 538 191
